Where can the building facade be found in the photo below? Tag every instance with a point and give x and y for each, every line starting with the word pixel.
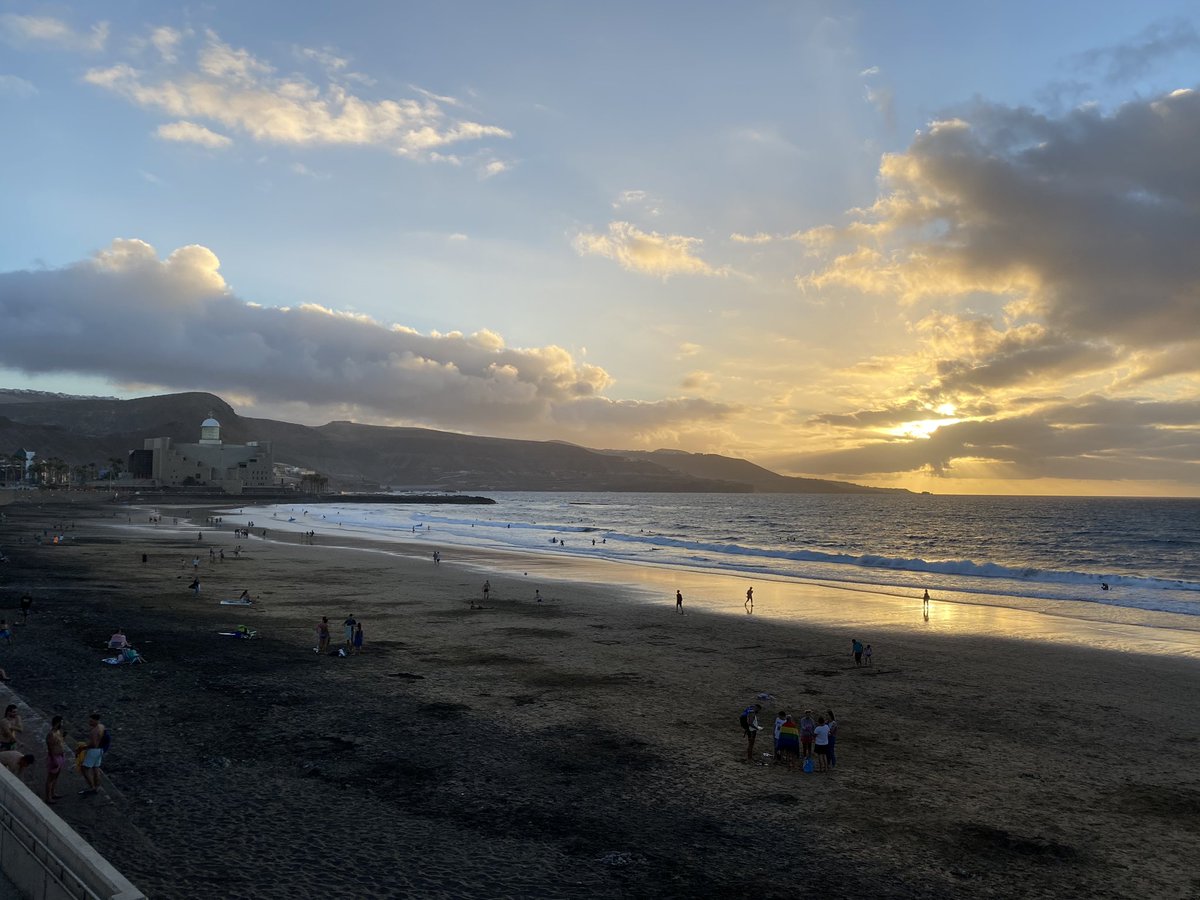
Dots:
pixel 211 462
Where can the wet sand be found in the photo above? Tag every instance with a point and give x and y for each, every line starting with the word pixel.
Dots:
pixel 588 745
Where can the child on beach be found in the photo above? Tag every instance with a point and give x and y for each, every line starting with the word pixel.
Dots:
pixel 867 654
pixel 358 637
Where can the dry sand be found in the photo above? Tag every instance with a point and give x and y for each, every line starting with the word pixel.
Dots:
pixel 587 746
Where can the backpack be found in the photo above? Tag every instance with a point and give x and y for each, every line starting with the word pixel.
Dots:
pixel 744 721
pixel 106 740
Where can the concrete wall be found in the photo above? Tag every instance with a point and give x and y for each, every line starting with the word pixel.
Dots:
pixel 43 856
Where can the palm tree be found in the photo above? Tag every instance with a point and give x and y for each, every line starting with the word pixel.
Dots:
pixel 313 482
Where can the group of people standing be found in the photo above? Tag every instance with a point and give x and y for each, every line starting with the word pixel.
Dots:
pixel 89 753
pixel 808 742
pixel 352 632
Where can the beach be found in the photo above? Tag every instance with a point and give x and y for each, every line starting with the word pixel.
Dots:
pixel 587 745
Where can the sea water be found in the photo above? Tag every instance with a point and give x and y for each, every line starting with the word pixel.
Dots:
pixel 1147 551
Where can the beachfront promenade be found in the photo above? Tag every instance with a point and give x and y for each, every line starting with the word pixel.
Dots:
pixel 43 858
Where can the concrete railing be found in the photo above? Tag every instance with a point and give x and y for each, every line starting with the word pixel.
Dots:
pixel 43 856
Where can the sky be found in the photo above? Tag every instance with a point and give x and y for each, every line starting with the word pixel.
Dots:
pixel 940 246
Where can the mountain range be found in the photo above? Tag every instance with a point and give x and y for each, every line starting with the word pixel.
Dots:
pixel 80 430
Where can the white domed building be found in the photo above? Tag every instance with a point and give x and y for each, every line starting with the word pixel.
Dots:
pixel 211 463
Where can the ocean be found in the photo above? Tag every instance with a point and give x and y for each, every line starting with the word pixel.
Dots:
pixel 1146 551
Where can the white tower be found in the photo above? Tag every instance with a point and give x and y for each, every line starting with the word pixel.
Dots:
pixel 210 431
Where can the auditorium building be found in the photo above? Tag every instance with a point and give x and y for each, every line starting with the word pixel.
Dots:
pixel 232 468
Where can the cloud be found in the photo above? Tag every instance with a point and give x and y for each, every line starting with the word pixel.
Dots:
pixel 232 88
pixel 1092 438
pixel 757 238
pixel 1128 61
pixel 191 133
pixel 650 253
pixel 15 86
pixel 1088 222
pixel 166 41
pixel 17 29
pixel 493 168
pixel 881 97
pixel 128 316
pixel 1044 266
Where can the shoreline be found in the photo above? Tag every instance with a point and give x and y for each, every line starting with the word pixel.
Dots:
pixel 791 598
pixel 585 746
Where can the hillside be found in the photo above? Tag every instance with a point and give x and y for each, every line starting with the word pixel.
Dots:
pixel 763 481
pixel 353 456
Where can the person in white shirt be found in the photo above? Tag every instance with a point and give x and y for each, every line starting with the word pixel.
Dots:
pixel 779 720
pixel 821 735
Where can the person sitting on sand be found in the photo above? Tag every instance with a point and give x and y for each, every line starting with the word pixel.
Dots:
pixel 195 585
pixel 118 641
pixel 10 727
pixel 245 597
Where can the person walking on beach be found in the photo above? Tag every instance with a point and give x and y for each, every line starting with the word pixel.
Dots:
pixel 94 757
pixel 925 603
pixel 56 758
pixel 831 721
pixel 750 599
pixel 26 605
pixel 856 648
pixel 323 635
pixel 487 589
pixel 751 728
pixel 348 629
pixel 867 655
pixel 358 638
pixel 679 602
